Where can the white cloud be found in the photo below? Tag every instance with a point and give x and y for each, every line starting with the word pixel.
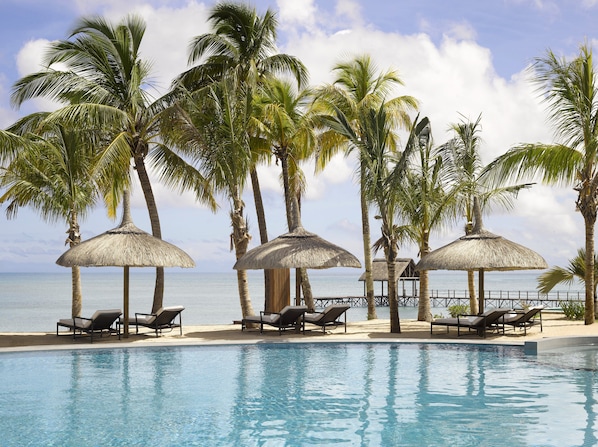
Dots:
pixel 349 9
pixel 461 31
pixel 29 58
pixel 294 13
pixel 169 32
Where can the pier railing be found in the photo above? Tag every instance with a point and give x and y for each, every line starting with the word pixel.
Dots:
pixel 446 298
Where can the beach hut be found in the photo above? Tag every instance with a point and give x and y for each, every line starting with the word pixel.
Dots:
pixel 125 246
pixel 405 270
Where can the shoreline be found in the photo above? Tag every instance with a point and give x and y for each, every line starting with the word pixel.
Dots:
pixel 554 325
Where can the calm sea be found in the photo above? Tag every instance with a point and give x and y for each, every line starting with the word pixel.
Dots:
pixel 35 301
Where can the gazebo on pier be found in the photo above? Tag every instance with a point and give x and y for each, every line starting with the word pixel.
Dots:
pixel 405 268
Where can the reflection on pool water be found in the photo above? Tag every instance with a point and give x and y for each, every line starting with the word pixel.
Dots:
pixel 373 394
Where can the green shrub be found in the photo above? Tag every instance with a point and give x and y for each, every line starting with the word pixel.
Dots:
pixel 458 309
pixel 573 310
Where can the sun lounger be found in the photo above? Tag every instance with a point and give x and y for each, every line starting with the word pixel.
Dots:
pixel 288 317
pixel 100 322
pixel 163 319
pixel 330 316
pixel 524 319
pixel 479 323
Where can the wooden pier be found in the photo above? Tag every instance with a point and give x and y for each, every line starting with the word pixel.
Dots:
pixel 446 298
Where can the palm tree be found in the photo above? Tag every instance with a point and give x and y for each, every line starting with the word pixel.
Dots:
pixel 243 42
pixel 571 90
pixel 288 128
pixel 53 174
pixel 209 126
pixel 468 172
pixel 576 271
pixel 426 202
pixel 384 170
pixel 357 88
pixel 104 84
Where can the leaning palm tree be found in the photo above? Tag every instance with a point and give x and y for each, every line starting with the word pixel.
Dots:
pixel 357 88
pixel 570 88
pixel 384 170
pixel 426 202
pixel 241 42
pixel 287 127
pixel 462 152
pixel 575 271
pixel 209 127
pixel 104 86
pixel 53 174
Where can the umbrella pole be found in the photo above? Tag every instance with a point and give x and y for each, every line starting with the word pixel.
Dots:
pixel 126 301
pixel 481 290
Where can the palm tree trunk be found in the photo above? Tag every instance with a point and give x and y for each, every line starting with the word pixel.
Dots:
pixel 473 301
pixel 589 221
pixel 395 323
pixel 75 239
pixel 77 296
pixel 152 209
pixel 263 229
pixel 294 221
pixel 240 240
pixel 424 312
pixel 259 206
pixel 367 251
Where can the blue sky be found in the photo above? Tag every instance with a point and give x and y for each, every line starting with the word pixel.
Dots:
pixel 462 57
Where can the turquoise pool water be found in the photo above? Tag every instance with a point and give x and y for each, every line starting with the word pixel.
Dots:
pixel 362 394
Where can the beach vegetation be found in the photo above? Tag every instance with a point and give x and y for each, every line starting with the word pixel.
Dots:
pixel 53 173
pixel 383 169
pixel 103 83
pixel 209 126
pixel 470 177
pixel 286 125
pixel 573 310
pixel 242 43
pixel 459 309
pixel 573 273
pixel 427 202
pixel 570 89
pixel 358 89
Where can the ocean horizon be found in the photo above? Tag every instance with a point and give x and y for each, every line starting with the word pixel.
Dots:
pixel 33 302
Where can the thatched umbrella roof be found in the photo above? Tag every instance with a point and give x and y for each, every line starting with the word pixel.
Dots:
pixel 482 251
pixel 125 246
pixel 296 249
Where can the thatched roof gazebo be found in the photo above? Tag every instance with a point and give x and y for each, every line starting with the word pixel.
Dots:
pixel 404 268
pixel 125 246
pixel 297 249
pixel 482 251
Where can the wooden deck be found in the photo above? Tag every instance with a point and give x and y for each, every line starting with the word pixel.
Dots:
pixel 446 298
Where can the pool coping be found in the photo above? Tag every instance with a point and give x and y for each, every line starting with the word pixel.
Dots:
pixel 531 347
pixel 534 347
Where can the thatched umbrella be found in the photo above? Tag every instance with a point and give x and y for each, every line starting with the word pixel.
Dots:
pixel 482 251
pixel 297 249
pixel 125 246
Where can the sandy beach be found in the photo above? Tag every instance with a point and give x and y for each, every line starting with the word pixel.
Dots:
pixel 554 325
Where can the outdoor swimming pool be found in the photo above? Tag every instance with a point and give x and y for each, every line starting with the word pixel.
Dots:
pixel 369 394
